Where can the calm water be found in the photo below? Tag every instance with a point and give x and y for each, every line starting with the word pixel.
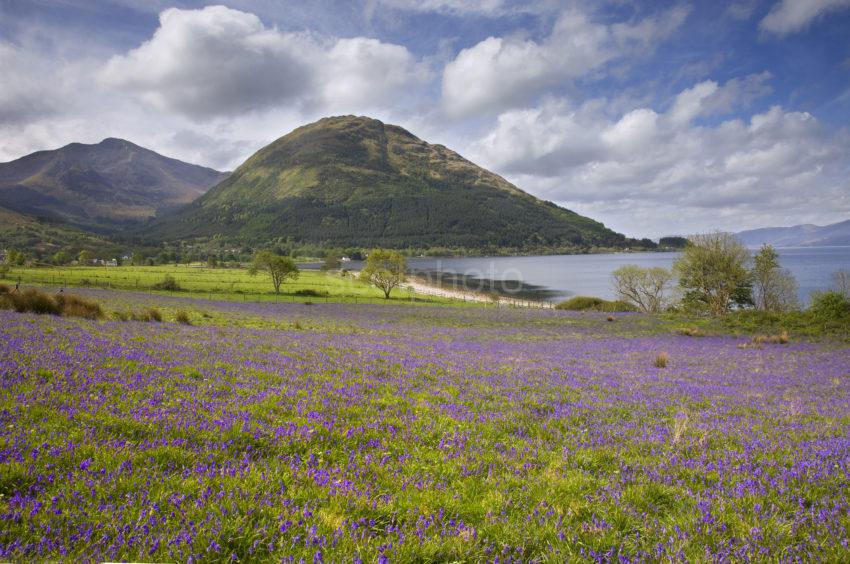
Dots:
pixel 561 276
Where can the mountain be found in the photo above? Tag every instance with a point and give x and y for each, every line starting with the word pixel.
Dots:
pixel 355 181
pixel 44 237
pixel 836 234
pixel 100 186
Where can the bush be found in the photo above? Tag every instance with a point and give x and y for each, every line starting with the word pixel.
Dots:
pixel 36 301
pixel 150 314
pixel 589 303
pixel 75 306
pixel 311 292
pixel 168 283
pixel 182 317
pixel 32 301
pixel 829 306
pixel 691 332
pixel 661 360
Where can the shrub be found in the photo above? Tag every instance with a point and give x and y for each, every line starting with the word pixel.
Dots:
pixel 32 301
pixel 75 306
pixel 691 332
pixel 610 318
pixel 150 314
pixel 311 292
pixel 829 306
pixel 168 283
pixel 589 303
pixel 182 317
pixel 781 339
pixel 36 301
pixel 661 360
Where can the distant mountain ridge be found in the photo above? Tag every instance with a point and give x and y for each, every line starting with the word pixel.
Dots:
pixel 100 186
pixel 355 181
pixel 807 235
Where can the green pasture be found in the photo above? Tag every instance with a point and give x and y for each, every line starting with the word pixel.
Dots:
pixel 219 283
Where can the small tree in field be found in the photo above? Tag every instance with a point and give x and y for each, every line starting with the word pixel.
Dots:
pixel 774 288
pixel 642 287
pixel 713 271
pixel 385 269
pixel 841 282
pixel 277 267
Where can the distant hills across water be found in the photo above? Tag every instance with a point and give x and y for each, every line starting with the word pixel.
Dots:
pixel 833 235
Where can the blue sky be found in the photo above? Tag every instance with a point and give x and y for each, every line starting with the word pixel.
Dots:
pixel 653 117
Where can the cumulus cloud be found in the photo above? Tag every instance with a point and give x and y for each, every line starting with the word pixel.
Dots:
pixel 455 7
pixel 633 170
pixel 500 72
pixel 25 93
pixel 790 16
pixel 223 62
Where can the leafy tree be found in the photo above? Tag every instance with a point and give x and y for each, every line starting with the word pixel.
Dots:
pixel 277 267
pixel 85 257
pixel 774 288
pixel 61 257
pixel 15 258
pixel 332 261
pixel 385 269
pixel 713 271
pixel 673 241
pixel 642 287
pixel 841 282
pixel 829 306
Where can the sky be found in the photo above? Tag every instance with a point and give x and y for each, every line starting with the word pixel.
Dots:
pixel 655 117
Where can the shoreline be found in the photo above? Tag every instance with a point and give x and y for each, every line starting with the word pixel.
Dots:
pixel 420 286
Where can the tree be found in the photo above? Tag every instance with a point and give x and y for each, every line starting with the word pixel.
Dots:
pixel 774 288
pixel 385 269
pixel 61 258
pixel 85 257
pixel 673 241
pixel 642 287
pixel 332 261
pixel 277 267
pixel 841 282
pixel 15 258
pixel 713 271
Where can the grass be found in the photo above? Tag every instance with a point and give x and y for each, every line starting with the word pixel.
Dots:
pixel 31 300
pixel 220 284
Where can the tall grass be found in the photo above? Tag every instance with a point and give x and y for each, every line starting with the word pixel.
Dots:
pixel 36 301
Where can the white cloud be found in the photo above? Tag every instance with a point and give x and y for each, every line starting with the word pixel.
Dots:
pixel 651 173
pixel 25 93
pixel 789 16
pixel 455 7
pixel 362 72
pixel 500 72
pixel 218 62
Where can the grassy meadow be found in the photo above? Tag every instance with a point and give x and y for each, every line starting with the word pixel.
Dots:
pixel 218 283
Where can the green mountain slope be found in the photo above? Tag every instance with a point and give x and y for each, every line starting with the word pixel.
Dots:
pixel 42 237
pixel 100 186
pixel 354 181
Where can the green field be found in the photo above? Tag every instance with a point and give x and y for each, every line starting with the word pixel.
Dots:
pixel 219 283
